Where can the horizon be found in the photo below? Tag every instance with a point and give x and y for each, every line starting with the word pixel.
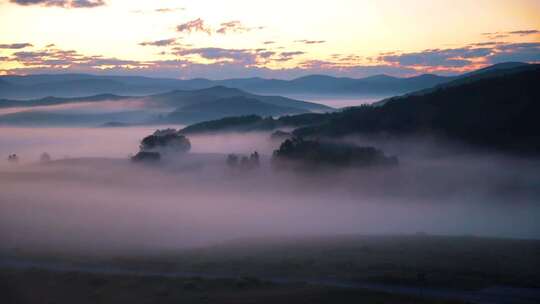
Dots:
pixel 65 73
pixel 185 40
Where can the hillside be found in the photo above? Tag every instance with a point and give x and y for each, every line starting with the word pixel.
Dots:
pixel 46 118
pixel 180 98
pixel 181 107
pixel 77 85
pixel 49 101
pixel 229 106
pixel 485 73
pixel 498 112
pixel 250 123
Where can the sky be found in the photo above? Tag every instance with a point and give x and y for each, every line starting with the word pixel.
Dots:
pixel 271 39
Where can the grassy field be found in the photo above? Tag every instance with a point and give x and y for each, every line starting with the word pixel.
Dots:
pixel 249 270
pixel 436 261
pixel 35 286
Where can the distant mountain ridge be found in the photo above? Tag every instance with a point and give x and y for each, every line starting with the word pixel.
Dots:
pixel 496 109
pixel 77 85
pixel 176 107
pixel 496 70
pixel 219 102
pixel 500 111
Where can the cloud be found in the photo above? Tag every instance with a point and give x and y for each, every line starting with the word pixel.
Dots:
pixel 67 59
pixel 221 63
pixel 61 3
pixel 266 54
pixel 524 52
pixel 243 56
pixel 235 27
pixel 498 35
pixel 232 26
pixel 348 58
pixel 160 10
pixel 164 42
pixel 286 56
pixel 244 63
pixel 269 42
pixel 525 32
pixel 14 46
pixel 488 43
pixel 196 25
pixel 310 41
pixel 458 57
pixel 476 53
pixel 169 10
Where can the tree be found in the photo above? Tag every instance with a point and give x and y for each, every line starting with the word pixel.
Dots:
pixel 232 160
pixel 243 162
pixel 45 157
pixel 146 157
pixel 13 158
pixel 313 153
pixel 254 159
pixel 166 140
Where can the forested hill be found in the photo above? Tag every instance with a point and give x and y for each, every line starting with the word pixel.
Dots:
pixel 500 112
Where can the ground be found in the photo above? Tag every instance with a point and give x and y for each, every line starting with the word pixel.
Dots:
pixel 36 286
pixel 334 269
pixel 460 262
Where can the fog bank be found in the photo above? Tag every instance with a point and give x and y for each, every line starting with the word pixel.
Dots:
pixel 95 201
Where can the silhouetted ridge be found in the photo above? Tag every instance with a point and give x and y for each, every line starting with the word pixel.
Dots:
pixel 76 85
pixel 499 112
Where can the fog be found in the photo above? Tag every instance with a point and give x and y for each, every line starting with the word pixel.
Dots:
pixel 339 101
pixel 92 113
pixel 91 199
pixel 106 106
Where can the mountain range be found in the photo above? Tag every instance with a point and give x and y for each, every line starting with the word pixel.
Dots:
pixel 175 107
pixel 495 109
pixel 77 85
pixel 207 104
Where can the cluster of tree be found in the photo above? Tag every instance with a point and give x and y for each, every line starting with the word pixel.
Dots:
pixel 314 153
pixel 168 138
pixel 244 162
pixel 146 157
pixel 499 112
pixel 13 158
pixel 45 157
pixel 162 141
pixel 250 123
pixel 232 124
pixel 280 135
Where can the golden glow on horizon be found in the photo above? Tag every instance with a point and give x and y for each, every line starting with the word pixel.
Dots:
pixel 348 27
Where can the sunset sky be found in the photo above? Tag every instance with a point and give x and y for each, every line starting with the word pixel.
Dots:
pixel 273 39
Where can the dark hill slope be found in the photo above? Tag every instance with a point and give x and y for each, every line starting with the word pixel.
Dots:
pixel 76 85
pixel 499 112
pixel 181 98
pixel 229 106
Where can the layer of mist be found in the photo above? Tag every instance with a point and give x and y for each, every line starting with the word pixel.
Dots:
pixel 339 101
pixel 91 199
pixel 84 114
